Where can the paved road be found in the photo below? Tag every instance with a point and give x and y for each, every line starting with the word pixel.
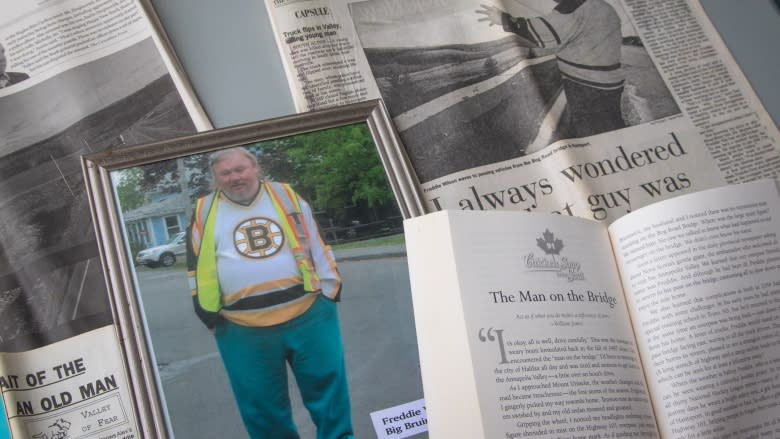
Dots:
pixel 377 327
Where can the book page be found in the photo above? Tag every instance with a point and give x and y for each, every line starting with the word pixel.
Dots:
pixel 701 275
pixel 541 319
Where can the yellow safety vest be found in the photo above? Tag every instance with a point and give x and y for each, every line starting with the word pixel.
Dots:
pixel 288 208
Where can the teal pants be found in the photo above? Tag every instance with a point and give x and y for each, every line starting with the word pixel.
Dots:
pixel 256 358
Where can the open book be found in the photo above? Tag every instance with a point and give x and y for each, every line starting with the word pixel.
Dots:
pixel 663 324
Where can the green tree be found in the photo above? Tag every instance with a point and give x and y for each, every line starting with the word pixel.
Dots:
pixel 332 168
pixel 129 190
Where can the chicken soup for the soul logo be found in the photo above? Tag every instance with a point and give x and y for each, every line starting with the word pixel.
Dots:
pixel 552 260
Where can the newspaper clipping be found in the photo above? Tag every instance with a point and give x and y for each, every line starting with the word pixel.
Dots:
pixel 76 76
pixel 64 390
pixel 321 54
pixel 591 108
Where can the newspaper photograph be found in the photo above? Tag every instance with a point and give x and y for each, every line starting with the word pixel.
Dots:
pixel 455 87
pixel 76 76
pixel 561 105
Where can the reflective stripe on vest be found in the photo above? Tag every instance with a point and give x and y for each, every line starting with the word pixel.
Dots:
pixel 206 278
pixel 287 207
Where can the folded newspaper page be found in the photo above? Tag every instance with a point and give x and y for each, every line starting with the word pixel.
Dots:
pixel 590 108
pixel 76 76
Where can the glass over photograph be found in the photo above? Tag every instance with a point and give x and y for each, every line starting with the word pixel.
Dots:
pixel 270 278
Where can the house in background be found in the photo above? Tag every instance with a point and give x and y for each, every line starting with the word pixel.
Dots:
pixel 156 222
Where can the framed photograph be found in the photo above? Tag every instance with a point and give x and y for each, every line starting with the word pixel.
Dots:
pixel 258 277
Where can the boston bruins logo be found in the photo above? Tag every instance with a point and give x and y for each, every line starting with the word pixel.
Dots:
pixel 258 238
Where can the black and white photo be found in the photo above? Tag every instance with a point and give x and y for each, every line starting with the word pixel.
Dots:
pixel 471 84
pixel 9 78
pixel 51 281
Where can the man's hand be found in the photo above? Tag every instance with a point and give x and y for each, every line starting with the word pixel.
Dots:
pixel 491 14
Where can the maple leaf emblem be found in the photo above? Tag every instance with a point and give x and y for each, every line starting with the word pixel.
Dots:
pixel 549 244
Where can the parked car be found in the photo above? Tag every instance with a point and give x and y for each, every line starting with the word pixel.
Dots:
pixel 163 255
